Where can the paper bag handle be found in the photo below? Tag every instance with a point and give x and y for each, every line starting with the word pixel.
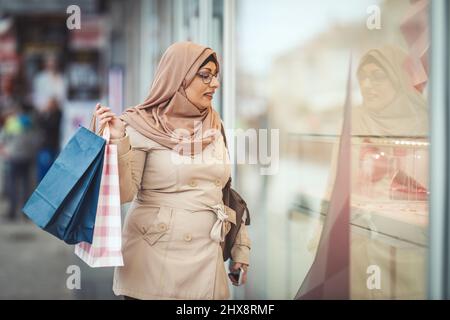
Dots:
pixel 104 131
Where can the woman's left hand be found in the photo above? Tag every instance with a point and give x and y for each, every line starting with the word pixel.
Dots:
pixel 235 266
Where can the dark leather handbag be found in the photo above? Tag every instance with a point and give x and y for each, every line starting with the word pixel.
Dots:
pixel 233 200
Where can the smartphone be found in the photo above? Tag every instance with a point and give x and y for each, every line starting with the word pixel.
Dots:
pixel 236 276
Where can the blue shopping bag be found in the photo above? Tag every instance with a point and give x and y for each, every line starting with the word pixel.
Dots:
pixel 65 201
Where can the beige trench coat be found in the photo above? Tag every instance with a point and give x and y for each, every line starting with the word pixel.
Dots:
pixel 172 229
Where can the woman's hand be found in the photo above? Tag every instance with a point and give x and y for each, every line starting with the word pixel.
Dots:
pixel 105 115
pixel 235 266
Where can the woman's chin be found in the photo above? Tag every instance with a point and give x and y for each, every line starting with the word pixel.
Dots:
pixel 205 103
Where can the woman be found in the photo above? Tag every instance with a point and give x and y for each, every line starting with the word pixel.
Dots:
pixel 172 232
pixel 391 104
pixel 391 108
pixel 387 177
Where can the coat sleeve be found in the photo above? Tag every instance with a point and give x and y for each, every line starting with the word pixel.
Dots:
pixel 241 248
pixel 131 159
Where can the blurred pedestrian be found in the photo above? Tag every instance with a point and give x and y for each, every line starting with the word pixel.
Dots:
pixel 49 124
pixel 49 84
pixel 17 148
pixel 9 102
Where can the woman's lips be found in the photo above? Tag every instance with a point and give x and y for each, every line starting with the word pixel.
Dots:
pixel 370 96
pixel 209 95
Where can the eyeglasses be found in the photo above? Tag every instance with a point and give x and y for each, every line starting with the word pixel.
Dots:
pixel 376 78
pixel 207 77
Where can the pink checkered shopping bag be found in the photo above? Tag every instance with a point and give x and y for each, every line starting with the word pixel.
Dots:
pixel 105 250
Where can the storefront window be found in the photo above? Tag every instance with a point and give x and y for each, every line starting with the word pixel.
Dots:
pixel 292 76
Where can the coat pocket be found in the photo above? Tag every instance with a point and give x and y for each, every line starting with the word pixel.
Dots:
pixel 160 227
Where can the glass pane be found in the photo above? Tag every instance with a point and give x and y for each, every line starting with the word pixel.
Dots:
pixel 187 20
pixel 292 77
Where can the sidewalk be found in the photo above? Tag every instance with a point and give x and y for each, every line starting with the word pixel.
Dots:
pixel 33 265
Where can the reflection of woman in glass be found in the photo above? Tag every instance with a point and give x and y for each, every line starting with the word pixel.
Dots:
pixel 391 108
pixel 388 166
pixel 391 105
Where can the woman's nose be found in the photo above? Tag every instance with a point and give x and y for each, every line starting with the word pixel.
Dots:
pixel 214 83
pixel 366 83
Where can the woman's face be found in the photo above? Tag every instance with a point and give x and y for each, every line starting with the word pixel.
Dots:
pixel 376 88
pixel 199 92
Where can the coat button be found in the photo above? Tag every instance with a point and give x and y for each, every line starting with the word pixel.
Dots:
pixel 193 183
pixel 218 183
pixel 187 237
pixel 162 227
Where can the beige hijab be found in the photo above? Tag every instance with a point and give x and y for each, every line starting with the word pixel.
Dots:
pixel 167 116
pixel 406 115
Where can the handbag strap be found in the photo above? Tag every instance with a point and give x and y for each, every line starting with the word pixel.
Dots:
pixel 222 130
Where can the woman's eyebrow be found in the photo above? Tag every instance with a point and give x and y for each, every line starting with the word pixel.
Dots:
pixel 210 70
